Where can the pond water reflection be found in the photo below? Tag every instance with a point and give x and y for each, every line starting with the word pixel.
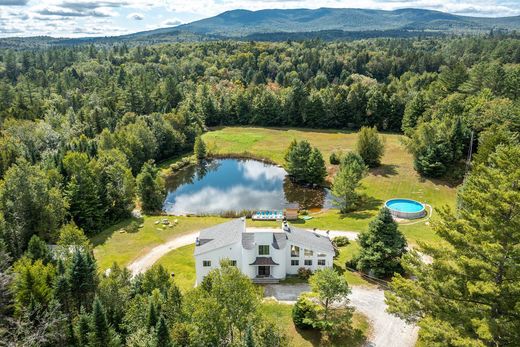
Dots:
pixel 234 185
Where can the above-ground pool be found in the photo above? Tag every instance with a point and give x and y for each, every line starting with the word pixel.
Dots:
pixel 405 208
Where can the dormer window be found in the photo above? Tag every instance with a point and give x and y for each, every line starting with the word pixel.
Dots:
pixel 308 253
pixel 263 250
pixel 295 251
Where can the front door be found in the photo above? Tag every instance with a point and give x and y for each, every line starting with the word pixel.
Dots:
pixel 264 271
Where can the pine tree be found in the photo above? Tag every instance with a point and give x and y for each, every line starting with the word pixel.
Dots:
pixel 199 148
pixel 82 279
pixel 370 146
pixel 469 295
pixel 347 181
pixel 151 316
pixel 162 335
pixel 38 249
pixel 150 188
pixel 316 167
pixel 100 335
pixel 249 338
pixel 382 246
pixel 82 329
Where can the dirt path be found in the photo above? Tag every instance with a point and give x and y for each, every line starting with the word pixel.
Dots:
pixel 145 262
pixel 387 330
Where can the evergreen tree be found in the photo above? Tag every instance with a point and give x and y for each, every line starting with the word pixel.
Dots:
pixel 382 246
pixel 82 192
pixel 83 329
pixel 82 279
pixel 150 188
pixel 151 316
pixel 249 338
pixel 347 181
pixel 297 160
pixel 162 335
pixel 469 295
pixel 316 167
pixel 100 334
pixel 199 148
pixel 370 146
pixel 38 249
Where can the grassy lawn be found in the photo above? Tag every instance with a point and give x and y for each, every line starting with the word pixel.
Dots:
pixel 346 253
pixel 281 314
pixel 113 246
pixel 395 178
pixel 182 262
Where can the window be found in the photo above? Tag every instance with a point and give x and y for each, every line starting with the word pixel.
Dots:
pixel 295 262
pixel 295 251
pixel 263 250
pixel 321 255
pixel 233 262
pixel 206 263
pixel 321 262
pixel 308 262
pixel 308 253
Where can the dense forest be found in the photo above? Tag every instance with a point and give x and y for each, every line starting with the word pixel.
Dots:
pixel 82 126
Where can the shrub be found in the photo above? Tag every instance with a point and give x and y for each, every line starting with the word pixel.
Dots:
pixel 304 273
pixel 340 241
pixel 335 158
pixel 304 312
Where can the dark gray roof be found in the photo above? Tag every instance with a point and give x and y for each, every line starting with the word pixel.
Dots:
pixel 279 240
pixel 264 261
pixel 305 237
pixel 248 240
pixel 220 235
pixel 228 233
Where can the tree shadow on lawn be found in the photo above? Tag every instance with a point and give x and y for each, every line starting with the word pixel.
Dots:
pixel 313 336
pixel 365 209
pixel 448 182
pixel 385 170
pixel 126 224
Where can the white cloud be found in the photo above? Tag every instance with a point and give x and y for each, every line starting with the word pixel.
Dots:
pixel 135 16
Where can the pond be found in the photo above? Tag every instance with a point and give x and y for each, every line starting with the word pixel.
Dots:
pixel 222 185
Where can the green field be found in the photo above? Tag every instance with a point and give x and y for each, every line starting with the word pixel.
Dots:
pixel 395 178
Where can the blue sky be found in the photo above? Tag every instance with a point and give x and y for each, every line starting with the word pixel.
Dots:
pixel 74 18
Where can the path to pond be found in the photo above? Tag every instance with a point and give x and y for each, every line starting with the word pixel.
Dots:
pixel 387 330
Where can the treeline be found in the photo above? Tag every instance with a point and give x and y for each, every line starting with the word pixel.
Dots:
pixel 79 119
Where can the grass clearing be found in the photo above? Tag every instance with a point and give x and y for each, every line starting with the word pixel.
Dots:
pixel 182 262
pixel 113 246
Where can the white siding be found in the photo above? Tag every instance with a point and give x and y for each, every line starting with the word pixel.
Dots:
pixel 245 257
pixel 232 252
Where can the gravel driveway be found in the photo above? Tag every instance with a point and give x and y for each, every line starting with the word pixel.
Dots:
pixel 387 330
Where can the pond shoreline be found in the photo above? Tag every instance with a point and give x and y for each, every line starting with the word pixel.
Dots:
pixel 234 185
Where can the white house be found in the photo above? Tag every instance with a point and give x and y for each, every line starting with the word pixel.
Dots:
pixel 263 254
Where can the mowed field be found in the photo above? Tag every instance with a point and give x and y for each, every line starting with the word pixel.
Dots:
pixel 396 178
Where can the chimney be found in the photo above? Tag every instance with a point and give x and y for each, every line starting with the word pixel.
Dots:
pixel 197 242
pixel 286 227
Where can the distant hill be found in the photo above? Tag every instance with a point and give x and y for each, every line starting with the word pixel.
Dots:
pixel 297 24
pixel 239 23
